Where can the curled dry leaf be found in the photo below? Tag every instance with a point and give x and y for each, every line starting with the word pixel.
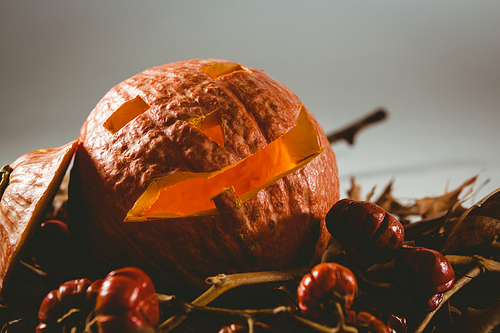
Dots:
pixel 489 206
pixel 385 200
pixel 354 192
pixel 435 205
pixel 477 225
pixel 33 182
pixel 391 205
pixel 479 321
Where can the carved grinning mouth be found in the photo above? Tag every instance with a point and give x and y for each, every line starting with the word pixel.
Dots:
pixel 190 193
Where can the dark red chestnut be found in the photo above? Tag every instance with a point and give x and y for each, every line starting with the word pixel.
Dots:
pixel 363 224
pixel 51 244
pixel 426 269
pixel 373 324
pixel 427 273
pixel 316 288
pixel 434 301
pixel 397 324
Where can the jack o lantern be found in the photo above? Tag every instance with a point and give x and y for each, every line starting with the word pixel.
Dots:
pixel 197 168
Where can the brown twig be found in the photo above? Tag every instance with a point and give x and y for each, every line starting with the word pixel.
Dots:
pixel 247 314
pixel 482 264
pixel 222 283
pixel 341 327
pixel 480 321
pixel 473 273
pixel 251 316
pixel 349 132
pixel 485 264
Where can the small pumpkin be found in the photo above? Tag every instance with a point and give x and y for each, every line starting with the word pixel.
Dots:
pixel 201 167
pixel 32 182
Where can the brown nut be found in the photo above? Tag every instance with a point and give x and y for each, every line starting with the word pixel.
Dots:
pixel 426 270
pixel 363 224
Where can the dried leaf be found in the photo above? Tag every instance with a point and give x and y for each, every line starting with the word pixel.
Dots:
pixel 388 203
pixel 354 192
pixel 434 205
pixel 425 231
pixel 477 225
pixel 385 198
pixel 371 193
pixel 393 206
pixel 473 231
pixel 489 206
pixel 480 321
pixel 333 250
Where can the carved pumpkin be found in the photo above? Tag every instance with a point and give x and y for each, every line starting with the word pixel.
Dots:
pixel 31 185
pixel 201 167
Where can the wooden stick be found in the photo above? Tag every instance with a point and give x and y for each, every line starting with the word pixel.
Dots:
pixel 349 132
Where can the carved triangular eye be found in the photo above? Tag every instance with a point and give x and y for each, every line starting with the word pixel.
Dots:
pixel 219 69
pixel 125 113
pixel 211 125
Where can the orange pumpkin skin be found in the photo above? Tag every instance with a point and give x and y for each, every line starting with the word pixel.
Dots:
pixel 32 184
pixel 280 227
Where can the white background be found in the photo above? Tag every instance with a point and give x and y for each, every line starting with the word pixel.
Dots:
pixel 434 65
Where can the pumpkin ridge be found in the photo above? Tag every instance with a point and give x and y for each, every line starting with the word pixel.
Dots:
pixel 272 220
pixel 241 107
pixel 251 76
pixel 180 155
pixel 201 139
pixel 256 96
pixel 131 91
pixel 258 124
pixel 257 121
pixel 261 142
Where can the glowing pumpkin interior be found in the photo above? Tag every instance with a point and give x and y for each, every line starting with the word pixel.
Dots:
pixel 190 193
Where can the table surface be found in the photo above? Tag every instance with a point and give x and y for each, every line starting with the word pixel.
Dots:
pixel 435 67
